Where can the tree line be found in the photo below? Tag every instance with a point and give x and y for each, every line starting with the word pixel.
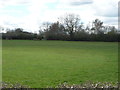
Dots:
pixel 18 33
pixel 68 28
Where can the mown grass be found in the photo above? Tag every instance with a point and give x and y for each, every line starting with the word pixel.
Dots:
pixel 49 63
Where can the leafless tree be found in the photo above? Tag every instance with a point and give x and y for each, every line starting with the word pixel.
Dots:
pixel 97 26
pixel 71 22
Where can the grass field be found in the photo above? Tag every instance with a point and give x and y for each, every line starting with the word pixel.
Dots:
pixel 49 63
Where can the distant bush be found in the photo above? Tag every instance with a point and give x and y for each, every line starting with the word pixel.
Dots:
pixel 20 34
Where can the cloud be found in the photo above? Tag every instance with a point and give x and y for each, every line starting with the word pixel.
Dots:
pixel 4 3
pixel 111 20
pixel 106 8
pixel 29 14
pixel 80 2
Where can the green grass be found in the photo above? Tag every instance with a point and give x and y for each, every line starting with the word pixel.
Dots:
pixel 49 63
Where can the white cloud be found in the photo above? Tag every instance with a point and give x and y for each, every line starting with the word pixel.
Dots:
pixel 107 8
pixel 4 3
pixel 50 10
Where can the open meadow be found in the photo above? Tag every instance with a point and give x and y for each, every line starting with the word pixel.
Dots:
pixel 49 63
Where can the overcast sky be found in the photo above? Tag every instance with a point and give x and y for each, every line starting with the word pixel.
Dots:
pixel 29 14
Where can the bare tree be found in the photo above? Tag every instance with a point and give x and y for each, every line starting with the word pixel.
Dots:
pixel 97 26
pixel 46 26
pixel 1 29
pixel 71 23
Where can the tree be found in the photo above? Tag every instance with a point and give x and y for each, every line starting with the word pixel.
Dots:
pixel 57 28
pixel 112 30
pixel 71 23
pixel 40 35
pixel 1 29
pixel 55 31
pixel 97 26
pixel 45 26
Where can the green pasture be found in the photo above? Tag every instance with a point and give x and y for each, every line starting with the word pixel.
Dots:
pixel 49 63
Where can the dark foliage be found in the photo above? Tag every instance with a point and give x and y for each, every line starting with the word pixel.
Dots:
pixel 20 34
pixel 55 32
pixel 72 30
